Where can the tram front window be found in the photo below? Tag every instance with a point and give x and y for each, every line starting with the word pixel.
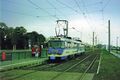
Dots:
pixel 56 44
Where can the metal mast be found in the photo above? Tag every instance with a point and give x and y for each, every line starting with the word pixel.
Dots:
pixel 109 36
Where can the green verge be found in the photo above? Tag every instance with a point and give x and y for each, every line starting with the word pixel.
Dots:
pixel 118 52
pixel 42 75
pixel 110 67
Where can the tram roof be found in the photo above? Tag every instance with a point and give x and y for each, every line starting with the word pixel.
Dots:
pixel 64 39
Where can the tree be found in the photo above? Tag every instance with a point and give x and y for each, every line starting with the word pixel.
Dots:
pixel 41 39
pixel 35 38
pixel 3 28
pixel 10 37
pixel 32 37
pixel 17 38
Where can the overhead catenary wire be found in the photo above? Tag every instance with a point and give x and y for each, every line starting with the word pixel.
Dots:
pixel 24 14
pixel 15 3
pixel 42 9
pixel 68 6
pixel 55 8
pixel 22 4
pixel 74 10
pixel 27 14
pixel 84 14
pixel 103 6
pixel 52 6
pixel 19 12
pixel 93 4
pixel 78 4
pixel 108 1
pixel 86 10
pixel 102 13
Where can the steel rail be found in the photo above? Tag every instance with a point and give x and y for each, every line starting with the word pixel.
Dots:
pixel 70 67
pixel 66 62
pixel 88 68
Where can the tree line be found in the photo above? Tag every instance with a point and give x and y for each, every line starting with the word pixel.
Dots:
pixel 18 37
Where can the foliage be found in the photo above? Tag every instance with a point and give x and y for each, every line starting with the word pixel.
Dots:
pixel 18 38
pixel 35 38
pixel 109 68
pixel 3 28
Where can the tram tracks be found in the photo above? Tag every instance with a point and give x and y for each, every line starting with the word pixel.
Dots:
pixel 69 68
pixel 59 67
pixel 81 77
pixel 87 69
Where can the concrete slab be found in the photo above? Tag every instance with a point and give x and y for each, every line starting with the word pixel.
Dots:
pixel 18 63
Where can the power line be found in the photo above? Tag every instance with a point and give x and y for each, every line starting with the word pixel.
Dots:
pixel 24 14
pixel 106 4
pixel 93 4
pixel 54 7
pixel 78 3
pixel 42 9
pixel 103 8
pixel 84 14
pixel 102 12
pixel 79 7
pixel 68 6
pixel 15 3
pixel 75 10
pixel 84 5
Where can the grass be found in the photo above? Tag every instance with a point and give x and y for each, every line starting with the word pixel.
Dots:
pixel 41 75
pixel 118 52
pixel 110 68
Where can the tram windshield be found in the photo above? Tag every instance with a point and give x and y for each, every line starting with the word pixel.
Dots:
pixel 56 44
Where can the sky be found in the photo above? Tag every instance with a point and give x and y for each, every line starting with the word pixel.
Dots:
pixel 86 16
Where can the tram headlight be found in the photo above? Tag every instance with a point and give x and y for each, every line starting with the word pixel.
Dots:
pixel 59 52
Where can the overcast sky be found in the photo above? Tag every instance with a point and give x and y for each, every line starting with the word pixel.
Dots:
pixel 85 16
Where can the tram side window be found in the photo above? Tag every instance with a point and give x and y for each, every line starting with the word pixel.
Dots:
pixel 69 45
pixel 72 45
pixel 66 45
pixel 62 44
pixel 75 45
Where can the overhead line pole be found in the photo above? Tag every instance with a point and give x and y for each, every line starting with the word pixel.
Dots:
pixel 93 40
pixel 109 36
pixel 116 44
